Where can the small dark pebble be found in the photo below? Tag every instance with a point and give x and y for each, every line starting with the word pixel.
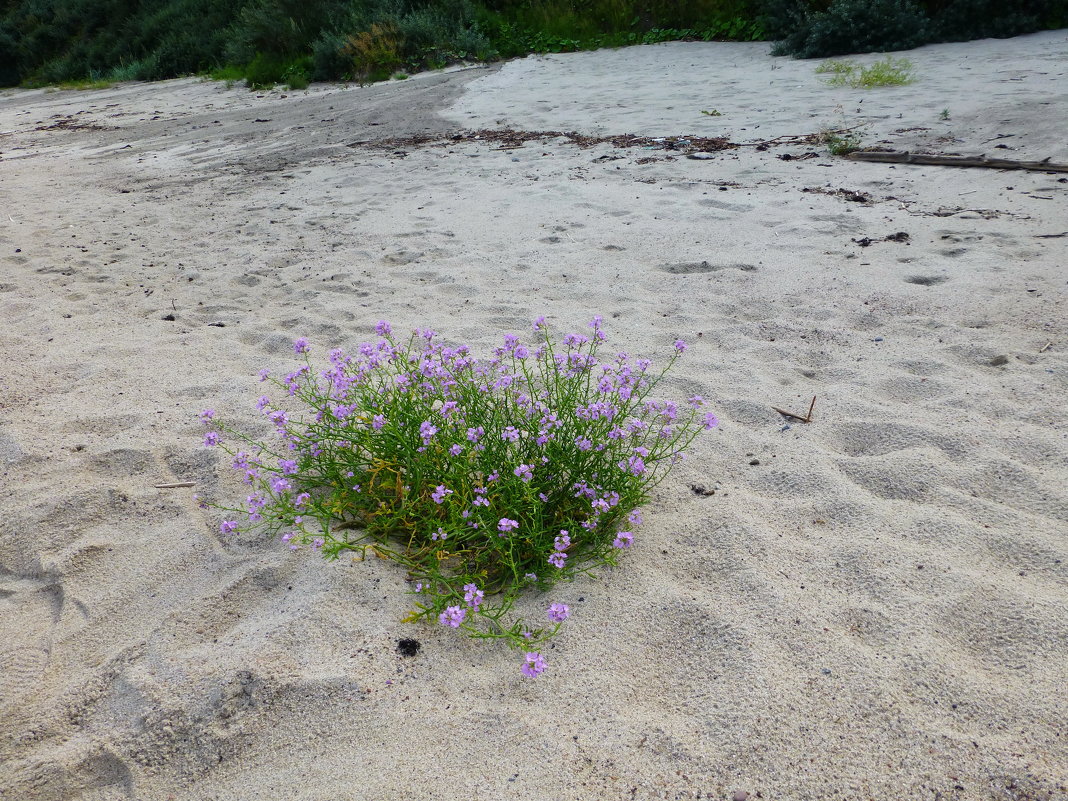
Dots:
pixel 408 647
pixel 170 318
pixel 825 671
pixel 877 339
pixel 18 250
pixel 999 361
pixel 754 462
pixel 67 316
pixel 700 489
pixel 217 325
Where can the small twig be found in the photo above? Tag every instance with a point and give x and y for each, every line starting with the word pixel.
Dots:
pixel 1051 236
pixel 176 485
pixel 806 419
pixel 1046 347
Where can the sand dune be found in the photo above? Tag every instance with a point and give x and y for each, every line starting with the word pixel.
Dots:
pixel 871 605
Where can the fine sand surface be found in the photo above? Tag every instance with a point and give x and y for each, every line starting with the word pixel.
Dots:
pixel 873 605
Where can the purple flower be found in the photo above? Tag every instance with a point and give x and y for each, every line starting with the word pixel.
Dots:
pixel 440 534
pixel 558 613
pixel 453 616
pixel 301 499
pixel 383 329
pixel 521 352
pixel 583 444
pixel 680 346
pixel 557 559
pixel 378 422
pixel 228 526
pixel 263 402
pixel 207 414
pixel 696 401
pixel 635 517
pixel 475 434
pixel 539 323
pixel 318 543
pixel 507 525
pixel 263 374
pixel 288 466
pixel 427 430
pixel 623 539
pixel 563 541
pixel 456 450
pixel 533 665
pixel 524 472
pixel 473 596
pixel 300 345
pixel 711 421
pixel 511 434
pixel 595 323
pixel 441 493
pixel 279 484
pixel 211 439
pixel 634 465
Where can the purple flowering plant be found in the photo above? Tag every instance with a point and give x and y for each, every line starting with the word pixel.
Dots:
pixel 484 478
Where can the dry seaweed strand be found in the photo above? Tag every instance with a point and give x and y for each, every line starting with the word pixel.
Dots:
pixel 511 139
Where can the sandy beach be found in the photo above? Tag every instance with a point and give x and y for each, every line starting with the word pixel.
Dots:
pixel 870 605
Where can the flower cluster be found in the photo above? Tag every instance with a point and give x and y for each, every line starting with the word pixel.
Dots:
pixel 475 474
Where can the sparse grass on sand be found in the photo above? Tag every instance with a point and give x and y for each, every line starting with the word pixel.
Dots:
pixel 84 84
pixel 885 72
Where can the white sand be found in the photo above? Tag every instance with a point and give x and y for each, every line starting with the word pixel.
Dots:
pixel 878 609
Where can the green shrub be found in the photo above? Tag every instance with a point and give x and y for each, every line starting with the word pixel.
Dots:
pixel 963 20
pixel 856 26
pixel 265 71
pixel 329 62
pixel 820 28
pixel 297 74
pixel 376 53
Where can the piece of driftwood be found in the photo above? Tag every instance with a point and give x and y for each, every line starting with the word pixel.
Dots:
pixel 806 419
pixel 894 157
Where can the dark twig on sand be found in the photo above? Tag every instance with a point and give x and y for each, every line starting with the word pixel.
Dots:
pixel 955 161
pixel 806 419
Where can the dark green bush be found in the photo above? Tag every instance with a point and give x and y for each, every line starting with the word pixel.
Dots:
pixel 820 28
pixel 964 20
pixel 857 26
pixel 329 62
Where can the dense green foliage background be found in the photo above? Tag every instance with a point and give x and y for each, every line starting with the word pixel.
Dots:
pixel 295 41
pixel 820 28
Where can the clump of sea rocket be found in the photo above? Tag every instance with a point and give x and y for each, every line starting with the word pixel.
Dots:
pixel 483 477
